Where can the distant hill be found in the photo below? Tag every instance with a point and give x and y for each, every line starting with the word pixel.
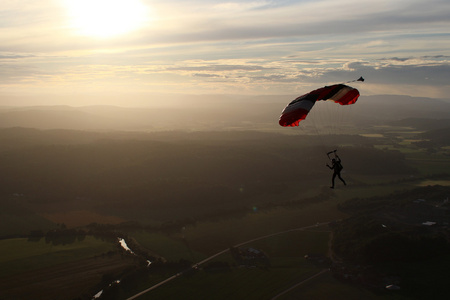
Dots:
pixel 63 118
pixel 395 108
pixel 214 113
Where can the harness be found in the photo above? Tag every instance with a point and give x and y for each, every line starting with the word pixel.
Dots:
pixel 337 166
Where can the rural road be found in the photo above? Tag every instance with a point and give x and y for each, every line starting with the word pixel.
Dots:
pixel 226 250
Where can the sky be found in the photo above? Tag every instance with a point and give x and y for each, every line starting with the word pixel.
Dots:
pixel 134 52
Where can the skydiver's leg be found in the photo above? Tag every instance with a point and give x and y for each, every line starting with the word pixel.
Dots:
pixel 332 180
pixel 339 175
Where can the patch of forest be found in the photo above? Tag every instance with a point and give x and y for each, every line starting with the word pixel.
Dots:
pixel 435 138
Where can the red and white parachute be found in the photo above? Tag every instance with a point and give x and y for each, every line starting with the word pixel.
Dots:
pixel 299 108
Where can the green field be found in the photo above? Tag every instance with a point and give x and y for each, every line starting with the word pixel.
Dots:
pixel 207 238
pixel 211 237
pixel 241 283
pixel 287 266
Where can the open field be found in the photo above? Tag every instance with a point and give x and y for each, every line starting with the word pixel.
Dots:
pixel 287 268
pixel 242 283
pixel 35 255
pixel 210 237
pixel 232 281
pixel 81 278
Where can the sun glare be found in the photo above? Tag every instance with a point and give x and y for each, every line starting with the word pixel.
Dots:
pixel 106 18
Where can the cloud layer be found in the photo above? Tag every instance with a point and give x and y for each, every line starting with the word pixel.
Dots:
pixel 226 47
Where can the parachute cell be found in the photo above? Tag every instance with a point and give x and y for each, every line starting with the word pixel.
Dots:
pixel 299 108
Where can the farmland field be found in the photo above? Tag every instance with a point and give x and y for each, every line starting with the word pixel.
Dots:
pixel 36 255
pixel 210 237
pixel 286 253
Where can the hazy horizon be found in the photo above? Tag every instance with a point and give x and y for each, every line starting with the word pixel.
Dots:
pixel 203 113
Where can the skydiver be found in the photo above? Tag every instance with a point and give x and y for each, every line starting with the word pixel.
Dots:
pixel 337 167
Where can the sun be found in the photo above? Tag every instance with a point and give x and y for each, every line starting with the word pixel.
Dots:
pixel 106 18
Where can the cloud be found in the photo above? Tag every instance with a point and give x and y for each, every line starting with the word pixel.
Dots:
pixel 215 21
pixel 219 68
pixel 205 75
pixel 256 20
pixel 204 46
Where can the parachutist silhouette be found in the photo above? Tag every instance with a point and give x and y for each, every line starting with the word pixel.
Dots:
pixel 336 166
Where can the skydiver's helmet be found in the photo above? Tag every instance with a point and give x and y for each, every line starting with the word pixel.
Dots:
pixel 333 160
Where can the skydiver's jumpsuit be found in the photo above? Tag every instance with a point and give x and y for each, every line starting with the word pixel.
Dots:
pixel 337 167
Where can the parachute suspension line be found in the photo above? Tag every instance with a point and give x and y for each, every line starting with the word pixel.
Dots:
pixel 309 129
pixel 303 131
pixel 331 116
pixel 325 117
pixel 349 121
pixel 339 122
pixel 336 117
pixel 341 118
pixel 317 120
pixel 332 120
pixel 329 121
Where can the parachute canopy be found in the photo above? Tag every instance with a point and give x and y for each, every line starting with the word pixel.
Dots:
pixel 299 108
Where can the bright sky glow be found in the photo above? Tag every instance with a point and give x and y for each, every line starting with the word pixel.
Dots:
pixel 80 52
pixel 106 18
